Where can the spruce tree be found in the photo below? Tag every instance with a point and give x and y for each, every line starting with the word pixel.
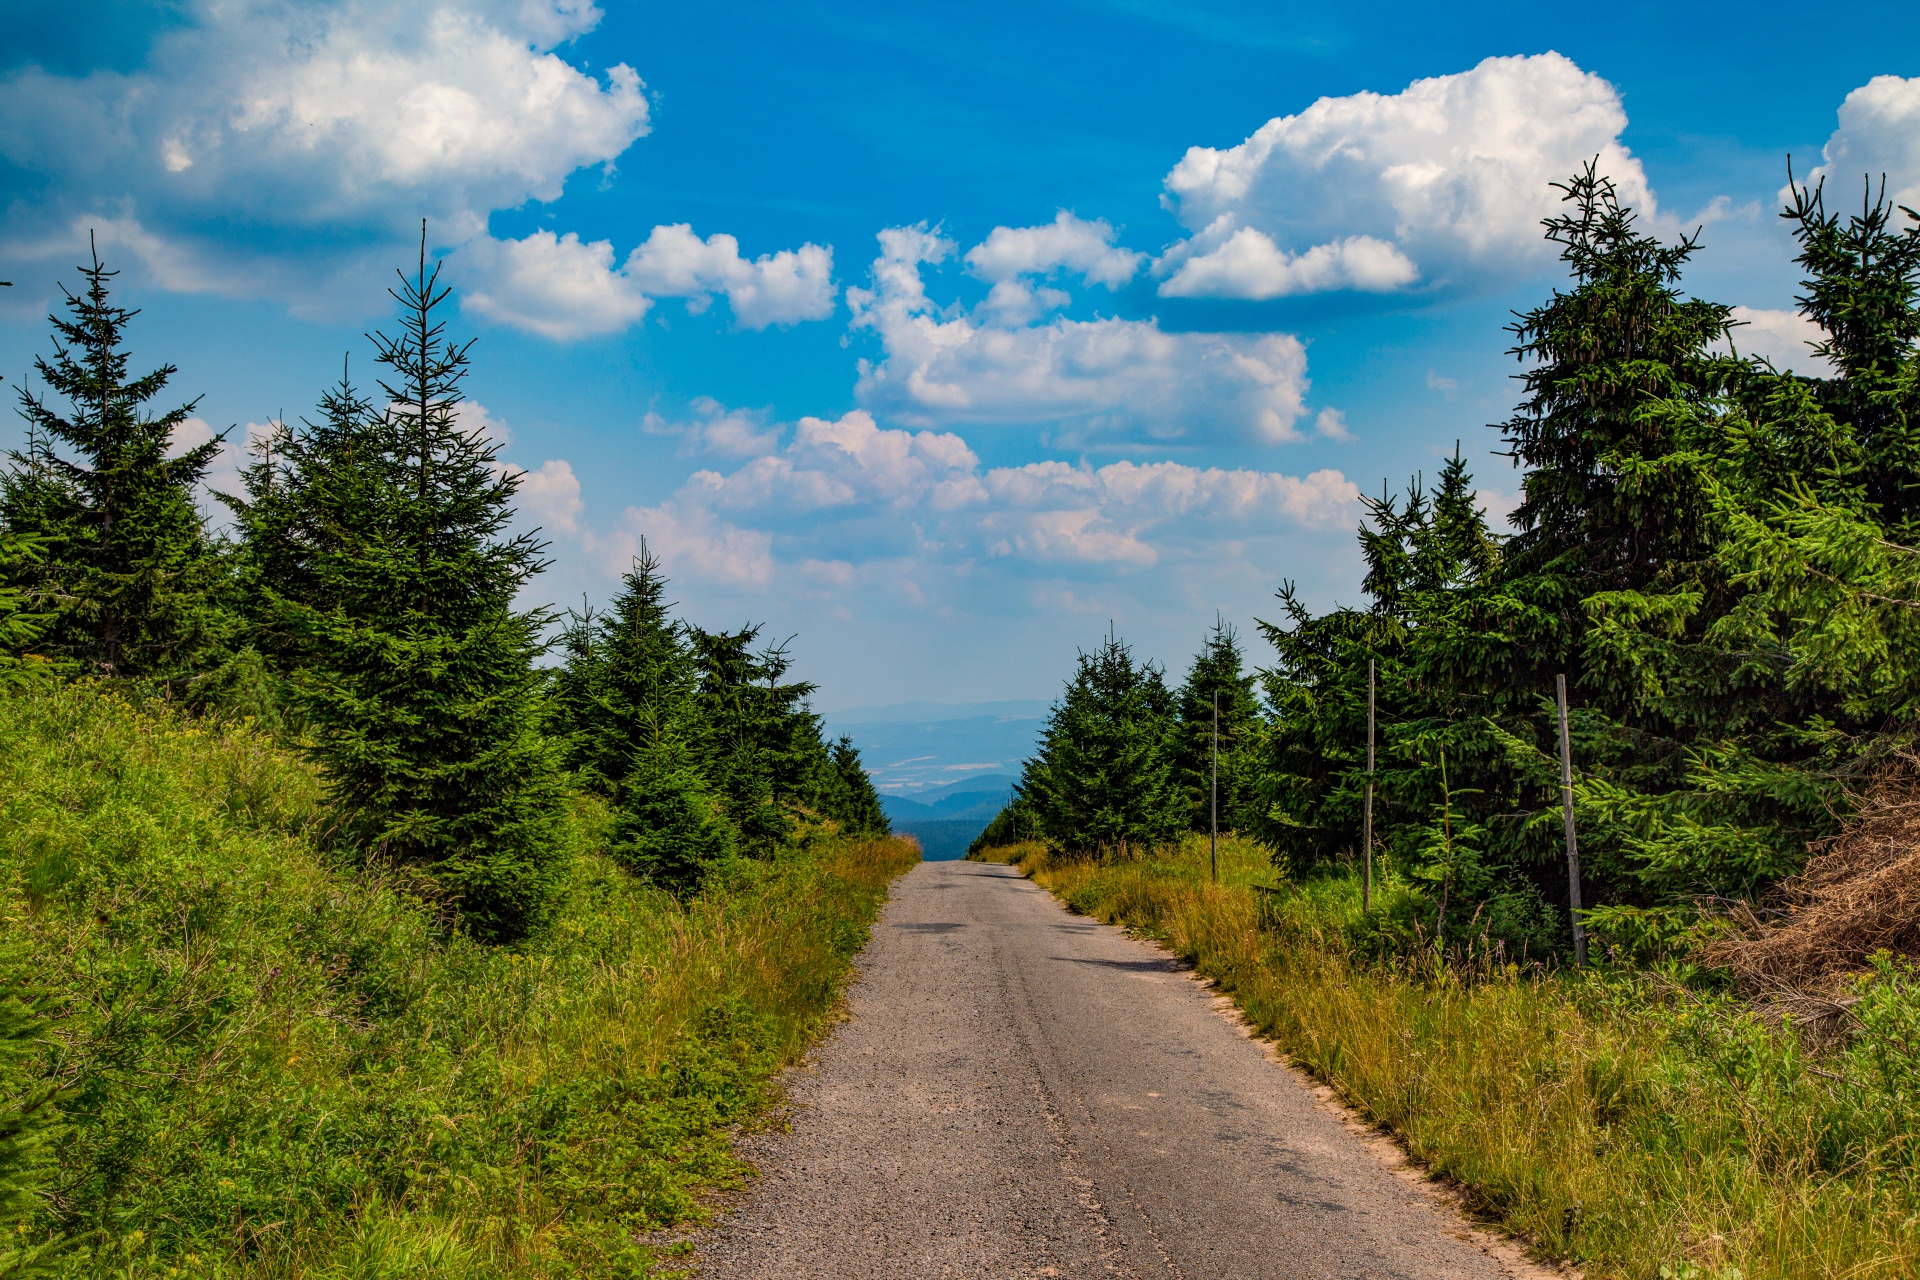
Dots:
pixel 1862 289
pixel 848 794
pixel 1102 783
pixel 1616 366
pixel 394 583
pixel 640 733
pixel 1217 669
pixel 126 569
pixel 758 745
pixel 29 1124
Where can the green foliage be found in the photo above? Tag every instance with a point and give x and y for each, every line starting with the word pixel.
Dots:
pixel 849 797
pixel 19 625
pixel 669 826
pixel 123 568
pixel 270 1063
pixel 1622 1122
pixel 28 1118
pixel 1698 552
pixel 1103 781
pixel 1218 669
pixel 376 545
pixel 695 740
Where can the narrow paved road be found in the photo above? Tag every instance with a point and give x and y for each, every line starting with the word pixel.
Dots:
pixel 1022 1092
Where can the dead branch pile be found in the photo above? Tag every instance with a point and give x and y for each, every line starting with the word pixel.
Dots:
pixel 1860 894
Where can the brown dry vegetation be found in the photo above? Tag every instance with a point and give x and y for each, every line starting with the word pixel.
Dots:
pixel 1860 894
pixel 1616 1119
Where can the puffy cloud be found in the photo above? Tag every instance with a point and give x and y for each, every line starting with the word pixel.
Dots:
pixel 1878 133
pixel 1447 178
pixel 556 286
pixel 779 288
pixel 1248 264
pixel 271 146
pixel 847 499
pixel 1332 424
pixel 691 542
pixel 1102 379
pixel 1014 258
pixel 551 495
pixel 1067 243
pixel 1784 337
pixel 562 287
pixel 716 429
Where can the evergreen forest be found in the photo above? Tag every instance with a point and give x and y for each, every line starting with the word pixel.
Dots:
pixel 1722 559
pixel 362 920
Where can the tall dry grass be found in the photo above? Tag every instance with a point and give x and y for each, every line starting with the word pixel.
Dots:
pixel 1615 1119
pixel 278 1065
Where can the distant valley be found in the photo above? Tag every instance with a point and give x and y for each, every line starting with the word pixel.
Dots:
pixel 943 769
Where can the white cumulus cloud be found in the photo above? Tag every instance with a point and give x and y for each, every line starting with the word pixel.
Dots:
pixel 847 499
pixel 1067 243
pixel 1015 259
pixel 691 542
pixel 556 286
pixel 1090 380
pixel 563 287
pixel 777 288
pixel 270 147
pixel 1248 264
pixel 1878 133
pixel 1784 337
pixel 1376 192
pixel 550 495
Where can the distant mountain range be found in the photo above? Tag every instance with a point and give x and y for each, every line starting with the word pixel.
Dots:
pixel 923 750
pixel 974 797
pixel 946 819
pixel 1028 709
pixel 943 769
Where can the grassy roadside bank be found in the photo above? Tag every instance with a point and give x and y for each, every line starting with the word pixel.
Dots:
pixel 1619 1120
pixel 271 1065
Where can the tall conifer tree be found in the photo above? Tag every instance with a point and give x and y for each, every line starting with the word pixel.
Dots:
pixel 850 798
pixel 1217 669
pixel 124 567
pixel 392 577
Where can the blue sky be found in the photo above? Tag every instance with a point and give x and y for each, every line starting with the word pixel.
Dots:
pixel 935 336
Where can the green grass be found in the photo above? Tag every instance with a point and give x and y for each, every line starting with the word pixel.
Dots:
pixel 1629 1122
pixel 276 1065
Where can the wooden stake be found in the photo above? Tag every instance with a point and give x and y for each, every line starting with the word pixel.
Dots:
pixel 1213 839
pixel 1573 846
pixel 1366 830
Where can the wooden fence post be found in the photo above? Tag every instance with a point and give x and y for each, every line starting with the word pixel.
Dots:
pixel 1366 829
pixel 1573 845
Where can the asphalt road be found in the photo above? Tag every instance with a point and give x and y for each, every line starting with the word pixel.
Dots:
pixel 1022 1092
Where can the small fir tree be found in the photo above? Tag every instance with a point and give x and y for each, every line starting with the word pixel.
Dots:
pixel 758 744
pixel 29 1126
pixel 849 797
pixel 639 735
pixel 126 569
pixel 20 625
pixel 1217 669
pixel 668 824
pixel 1103 781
